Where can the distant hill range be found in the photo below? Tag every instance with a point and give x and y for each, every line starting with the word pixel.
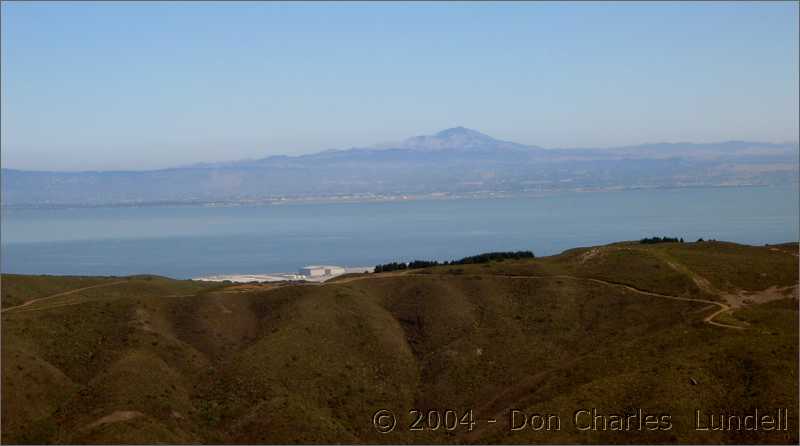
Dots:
pixel 453 162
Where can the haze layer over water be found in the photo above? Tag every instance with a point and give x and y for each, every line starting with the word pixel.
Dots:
pixel 191 241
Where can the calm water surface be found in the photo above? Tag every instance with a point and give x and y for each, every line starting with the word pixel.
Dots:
pixel 185 242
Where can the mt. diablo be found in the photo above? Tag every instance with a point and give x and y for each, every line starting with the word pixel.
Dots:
pixel 456 138
pixel 453 162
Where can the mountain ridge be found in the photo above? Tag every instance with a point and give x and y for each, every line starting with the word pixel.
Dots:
pixel 451 162
pixel 457 138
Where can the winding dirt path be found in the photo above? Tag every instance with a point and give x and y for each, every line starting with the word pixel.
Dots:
pixel 64 293
pixel 785 251
pixel 496 408
pixel 115 417
pixel 723 307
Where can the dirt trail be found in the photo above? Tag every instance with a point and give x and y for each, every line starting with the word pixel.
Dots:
pixel 588 255
pixel 64 293
pixel 78 302
pixel 115 417
pixel 496 407
pixel 785 251
pixel 519 392
pixel 723 307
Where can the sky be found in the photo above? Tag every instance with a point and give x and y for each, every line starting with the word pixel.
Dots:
pixel 144 85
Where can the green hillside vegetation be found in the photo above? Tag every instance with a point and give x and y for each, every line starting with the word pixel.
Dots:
pixel 654 240
pixel 619 327
pixel 18 288
pixel 480 258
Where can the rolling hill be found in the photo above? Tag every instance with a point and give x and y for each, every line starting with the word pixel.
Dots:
pixel 666 328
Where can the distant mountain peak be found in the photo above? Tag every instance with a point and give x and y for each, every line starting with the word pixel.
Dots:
pixel 455 138
pixel 461 132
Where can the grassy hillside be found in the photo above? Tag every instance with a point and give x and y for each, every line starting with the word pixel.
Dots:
pixel 18 289
pixel 618 328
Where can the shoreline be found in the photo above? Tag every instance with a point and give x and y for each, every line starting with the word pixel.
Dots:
pixel 376 198
pixel 281 277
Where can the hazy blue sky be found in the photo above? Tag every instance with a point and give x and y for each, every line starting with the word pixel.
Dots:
pixel 139 85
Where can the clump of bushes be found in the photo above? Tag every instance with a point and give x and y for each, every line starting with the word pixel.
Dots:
pixel 480 258
pixel 394 266
pixel 498 256
pixel 653 240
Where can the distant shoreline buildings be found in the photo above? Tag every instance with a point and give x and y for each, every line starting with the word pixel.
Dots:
pixel 309 273
pixel 321 270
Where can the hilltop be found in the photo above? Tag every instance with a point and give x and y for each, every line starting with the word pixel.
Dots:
pixel 451 162
pixel 458 139
pixel 667 328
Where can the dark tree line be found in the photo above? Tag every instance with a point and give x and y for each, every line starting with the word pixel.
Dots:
pixel 480 258
pixel 652 240
pixel 499 256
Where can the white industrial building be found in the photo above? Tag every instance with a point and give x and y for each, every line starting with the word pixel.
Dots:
pixel 321 270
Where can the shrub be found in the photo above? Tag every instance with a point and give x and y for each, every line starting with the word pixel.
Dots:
pixel 652 240
pixel 480 258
